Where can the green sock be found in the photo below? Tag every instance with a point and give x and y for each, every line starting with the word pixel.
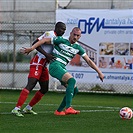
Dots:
pixel 62 105
pixel 69 91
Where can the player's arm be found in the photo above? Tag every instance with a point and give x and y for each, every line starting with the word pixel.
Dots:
pixel 39 48
pixel 40 42
pixel 47 55
pixel 37 44
pixel 93 66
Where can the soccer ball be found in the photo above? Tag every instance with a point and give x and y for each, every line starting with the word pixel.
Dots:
pixel 126 113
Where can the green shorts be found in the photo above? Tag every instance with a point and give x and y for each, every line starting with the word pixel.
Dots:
pixel 57 70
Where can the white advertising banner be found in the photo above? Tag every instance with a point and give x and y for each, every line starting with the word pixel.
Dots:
pixel 107 37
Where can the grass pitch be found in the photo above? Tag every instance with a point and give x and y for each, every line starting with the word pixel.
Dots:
pixel 99 114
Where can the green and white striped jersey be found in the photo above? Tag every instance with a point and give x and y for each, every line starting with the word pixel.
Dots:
pixel 64 51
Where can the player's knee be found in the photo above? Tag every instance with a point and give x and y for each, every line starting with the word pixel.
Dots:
pixel 31 84
pixel 29 87
pixel 43 91
pixel 71 84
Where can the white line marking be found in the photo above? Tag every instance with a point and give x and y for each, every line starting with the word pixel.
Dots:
pixel 47 112
pixel 83 106
pixel 100 108
pixel 86 111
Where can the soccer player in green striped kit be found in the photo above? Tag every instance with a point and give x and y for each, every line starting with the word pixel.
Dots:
pixel 64 51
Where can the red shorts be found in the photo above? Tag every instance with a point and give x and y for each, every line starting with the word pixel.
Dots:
pixel 38 69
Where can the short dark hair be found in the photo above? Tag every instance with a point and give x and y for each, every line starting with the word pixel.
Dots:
pixel 60 24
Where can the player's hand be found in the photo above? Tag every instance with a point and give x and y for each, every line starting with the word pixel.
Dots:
pixel 50 57
pixel 101 76
pixel 25 50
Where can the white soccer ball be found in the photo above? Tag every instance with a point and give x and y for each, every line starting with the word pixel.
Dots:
pixel 126 113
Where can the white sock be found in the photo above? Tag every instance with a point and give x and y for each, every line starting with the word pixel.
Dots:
pixel 28 107
pixel 17 108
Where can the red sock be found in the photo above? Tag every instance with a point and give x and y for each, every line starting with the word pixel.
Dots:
pixel 37 97
pixel 22 98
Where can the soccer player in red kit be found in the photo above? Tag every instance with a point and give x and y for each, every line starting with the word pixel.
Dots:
pixel 38 72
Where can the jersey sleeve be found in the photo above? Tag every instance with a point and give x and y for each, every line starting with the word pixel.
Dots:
pixel 44 35
pixel 57 40
pixel 81 51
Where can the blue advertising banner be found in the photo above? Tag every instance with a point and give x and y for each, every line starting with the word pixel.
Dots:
pixel 107 37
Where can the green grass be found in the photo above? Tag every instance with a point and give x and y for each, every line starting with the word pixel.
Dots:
pixel 99 114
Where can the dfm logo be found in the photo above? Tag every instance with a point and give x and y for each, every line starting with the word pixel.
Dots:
pixel 89 26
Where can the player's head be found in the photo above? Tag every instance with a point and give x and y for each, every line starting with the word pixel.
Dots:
pixel 75 35
pixel 60 28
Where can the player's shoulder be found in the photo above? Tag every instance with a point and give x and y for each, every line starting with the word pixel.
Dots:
pixel 58 37
pixel 66 37
pixel 62 38
pixel 49 34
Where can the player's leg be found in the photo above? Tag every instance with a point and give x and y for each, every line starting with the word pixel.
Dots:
pixel 44 83
pixel 59 71
pixel 67 78
pixel 70 93
pixel 23 96
pixel 56 70
pixel 63 103
pixel 24 93
pixel 39 94
pixel 34 75
pixel 75 88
